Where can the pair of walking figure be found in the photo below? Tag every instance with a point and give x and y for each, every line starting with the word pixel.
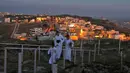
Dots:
pixel 56 50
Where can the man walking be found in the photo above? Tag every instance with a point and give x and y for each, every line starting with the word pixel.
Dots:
pixel 68 46
pixel 58 41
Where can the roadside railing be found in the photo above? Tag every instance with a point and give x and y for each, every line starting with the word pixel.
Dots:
pixel 37 55
pixel 80 55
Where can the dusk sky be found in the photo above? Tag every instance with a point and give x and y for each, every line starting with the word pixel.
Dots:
pixel 94 8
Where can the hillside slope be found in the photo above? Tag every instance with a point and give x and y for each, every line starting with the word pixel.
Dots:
pixel 109 25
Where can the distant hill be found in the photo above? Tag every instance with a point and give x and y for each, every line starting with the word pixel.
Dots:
pixel 109 25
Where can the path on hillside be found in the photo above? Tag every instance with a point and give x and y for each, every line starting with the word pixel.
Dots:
pixel 16 27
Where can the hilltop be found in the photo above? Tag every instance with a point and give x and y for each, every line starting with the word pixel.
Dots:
pixel 110 25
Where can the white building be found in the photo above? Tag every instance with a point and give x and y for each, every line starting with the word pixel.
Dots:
pixel 99 27
pixel 32 21
pixel 7 20
pixel 36 31
pixel 117 36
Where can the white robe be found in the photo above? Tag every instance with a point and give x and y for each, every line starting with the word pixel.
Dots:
pixel 52 52
pixel 68 49
pixel 59 45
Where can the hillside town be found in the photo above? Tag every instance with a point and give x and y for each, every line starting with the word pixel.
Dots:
pixel 76 26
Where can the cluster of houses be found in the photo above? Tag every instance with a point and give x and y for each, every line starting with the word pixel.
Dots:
pixel 75 25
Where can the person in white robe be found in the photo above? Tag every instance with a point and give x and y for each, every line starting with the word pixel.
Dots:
pixel 58 41
pixel 52 53
pixel 68 46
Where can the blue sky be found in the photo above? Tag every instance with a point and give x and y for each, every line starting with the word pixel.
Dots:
pixel 95 8
pixel 74 2
pixel 90 2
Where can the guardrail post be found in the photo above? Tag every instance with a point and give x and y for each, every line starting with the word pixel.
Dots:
pixel 121 53
pixel 63 58
pixel 20 63
pixel 81 47
pixel 82 56
pixel 94 57
pixel 22 54
pixel 39 56
pixel 89 57
pixel 5 60
pixel 74 56
pixel 54 68
pixel 119 45
pixel 35 60
pixel 98 46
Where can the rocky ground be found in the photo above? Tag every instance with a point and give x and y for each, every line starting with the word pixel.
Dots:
pixel 100 68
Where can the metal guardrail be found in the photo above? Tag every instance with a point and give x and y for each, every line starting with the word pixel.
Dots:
pixel 39 48
pixel 21 44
